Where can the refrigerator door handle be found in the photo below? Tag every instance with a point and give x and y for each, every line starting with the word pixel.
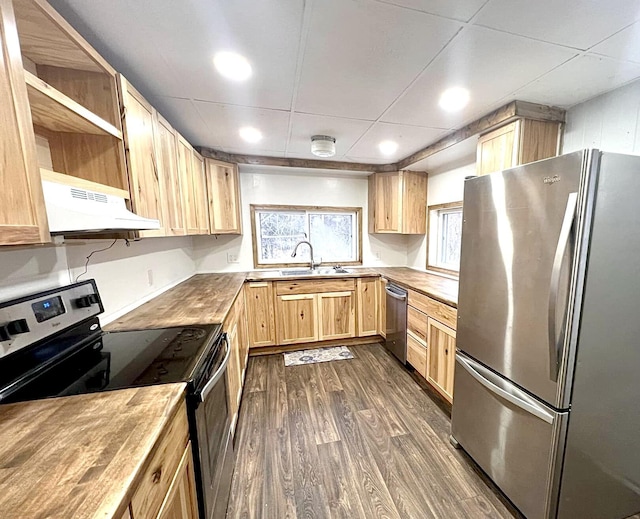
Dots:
pixel 516 396
pixel 556 269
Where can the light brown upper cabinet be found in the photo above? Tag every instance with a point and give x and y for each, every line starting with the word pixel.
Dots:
pixel 224 197
pixel 144 175
pixel 22 213
pixel 172 188
pixel 200 193
pixel 185 172
pixel 398 202
pixel 516 143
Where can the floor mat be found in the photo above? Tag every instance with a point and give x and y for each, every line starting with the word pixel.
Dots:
pixel 297 358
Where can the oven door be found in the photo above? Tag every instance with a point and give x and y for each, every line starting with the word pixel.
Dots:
pixel 213 448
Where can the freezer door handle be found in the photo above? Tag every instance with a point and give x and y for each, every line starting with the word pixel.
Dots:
pixel 512 394
pixel 555 345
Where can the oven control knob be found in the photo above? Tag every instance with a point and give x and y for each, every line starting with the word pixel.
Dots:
pixel 18 326
pixel 4 333
pixel 86 301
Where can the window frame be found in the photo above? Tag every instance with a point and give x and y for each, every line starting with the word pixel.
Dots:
pixel 303 208
pixel 432 255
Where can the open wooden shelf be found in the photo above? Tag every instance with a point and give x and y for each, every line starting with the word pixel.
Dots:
pixel 55 111
pixel 80 183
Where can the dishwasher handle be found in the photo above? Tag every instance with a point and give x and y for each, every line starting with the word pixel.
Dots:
pixel 395 295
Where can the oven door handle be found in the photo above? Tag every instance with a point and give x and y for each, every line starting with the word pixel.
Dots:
pixel 202 394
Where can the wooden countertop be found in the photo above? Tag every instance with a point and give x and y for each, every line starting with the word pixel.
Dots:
pixel 79 456
pixel 438 287
pixel 207 298
pixel 201 299
pixel 274 275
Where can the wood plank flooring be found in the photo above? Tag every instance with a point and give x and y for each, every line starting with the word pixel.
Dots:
pixel 350 439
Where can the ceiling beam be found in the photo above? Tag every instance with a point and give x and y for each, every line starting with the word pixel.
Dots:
pixel 503 115
pixel 260 160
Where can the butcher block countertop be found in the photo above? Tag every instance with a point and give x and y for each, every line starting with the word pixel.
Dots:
pixel 201 299
pixel 438 287
pixel 79 456
pixel 207 298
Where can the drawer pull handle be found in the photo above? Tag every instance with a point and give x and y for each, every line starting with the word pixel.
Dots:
pixel 155 477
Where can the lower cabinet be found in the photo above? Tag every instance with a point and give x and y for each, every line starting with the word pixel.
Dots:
pixel 382 309
pixel 259 303
pixel 297 318
pixel 166 488
pixel 441 342
pixel 235 326
pixel 181 500
pixel 367 304
pixel 417 354
pixel 336 315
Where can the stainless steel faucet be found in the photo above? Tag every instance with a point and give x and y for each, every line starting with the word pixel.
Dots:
pixel 312 265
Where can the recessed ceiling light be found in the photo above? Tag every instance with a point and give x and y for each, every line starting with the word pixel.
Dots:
pixel 323 146
pixel 454 99
pixel 250 134
pixel 232 66
pixel 388 147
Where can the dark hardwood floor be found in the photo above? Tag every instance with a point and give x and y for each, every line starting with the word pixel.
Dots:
pixel 349 439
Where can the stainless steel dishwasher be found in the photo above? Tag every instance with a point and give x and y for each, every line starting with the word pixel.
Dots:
pixel 396 329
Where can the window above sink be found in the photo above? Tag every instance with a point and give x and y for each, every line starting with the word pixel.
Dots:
pixel 334 232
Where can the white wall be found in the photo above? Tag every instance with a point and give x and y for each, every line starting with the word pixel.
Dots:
pixel 121 272
pixel 444 186
pixel 277 187
pixel 610 122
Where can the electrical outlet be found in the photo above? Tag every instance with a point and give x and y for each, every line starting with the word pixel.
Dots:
pixel 150 277
pixel 232 258
pixel 377 254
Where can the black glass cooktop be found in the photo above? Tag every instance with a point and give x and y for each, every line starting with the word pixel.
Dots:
pixel 84 361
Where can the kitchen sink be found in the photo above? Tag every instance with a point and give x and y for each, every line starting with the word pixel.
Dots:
pixel 315 272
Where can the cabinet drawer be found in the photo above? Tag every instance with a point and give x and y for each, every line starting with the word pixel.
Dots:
pixel 440 312
pixel 418 300
pixel 417 355
pixel 315 287
pixel 156 479
pixel 417 323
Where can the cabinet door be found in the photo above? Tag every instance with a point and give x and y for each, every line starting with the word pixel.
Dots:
pixel 382 312
pixel 22 211
pixel 336 315
pixel 417 354
pixel 200 193
pixel 414 202
pixel 259 297
pixel 224 197
pixel 181 502
pixel 296 318
pixel 243 333
pixel 144 177
pixel 185 171
pixel 441 344
pixel 387 202
pixel 234 372
pixel 497 150
pixel 367 290
pixel 166 145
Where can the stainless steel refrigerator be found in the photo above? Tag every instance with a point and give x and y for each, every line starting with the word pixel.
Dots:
pixel 547 377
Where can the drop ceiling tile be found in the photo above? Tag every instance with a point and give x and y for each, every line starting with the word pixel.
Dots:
pixel 623 45
pixel 458 9
pixel 409 139
pixel 225 121
pixel 490 64
pixel 360 55
pixel 578 80
pixel 345 131
pixel 576 23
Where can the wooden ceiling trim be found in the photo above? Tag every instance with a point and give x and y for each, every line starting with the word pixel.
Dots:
pixel 503 115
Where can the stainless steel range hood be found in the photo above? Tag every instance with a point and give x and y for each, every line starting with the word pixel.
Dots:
pixel 72 210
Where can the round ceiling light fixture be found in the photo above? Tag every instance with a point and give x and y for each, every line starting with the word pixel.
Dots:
pixel 250 134
pixel 323 146
pixel 232 66
pixel 388 147
pixel 454 99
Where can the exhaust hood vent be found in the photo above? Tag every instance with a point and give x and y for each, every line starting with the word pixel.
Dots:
pixel 71 210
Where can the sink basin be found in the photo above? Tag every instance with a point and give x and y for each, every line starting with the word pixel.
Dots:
pixel 297 272
pixel 315 272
